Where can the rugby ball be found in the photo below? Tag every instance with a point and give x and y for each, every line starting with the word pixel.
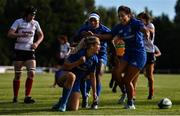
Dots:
pixel 165 103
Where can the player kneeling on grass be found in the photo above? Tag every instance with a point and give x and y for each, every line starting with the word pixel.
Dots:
pixel 75 67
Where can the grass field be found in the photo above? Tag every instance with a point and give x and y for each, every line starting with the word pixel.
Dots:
pixel 165 86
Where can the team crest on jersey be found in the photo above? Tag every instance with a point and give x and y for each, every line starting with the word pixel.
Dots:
pixel 125 34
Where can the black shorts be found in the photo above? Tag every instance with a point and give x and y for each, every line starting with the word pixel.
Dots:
pixel 22 55
pixel 150 58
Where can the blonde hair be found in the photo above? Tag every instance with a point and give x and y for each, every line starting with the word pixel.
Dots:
pixel 85 43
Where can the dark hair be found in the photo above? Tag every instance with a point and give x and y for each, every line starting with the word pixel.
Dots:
pixel 95 12
pixel 145 16
pixel 30 10
pixel 126 9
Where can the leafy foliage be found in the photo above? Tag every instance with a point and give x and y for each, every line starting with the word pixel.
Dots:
pixel 65 17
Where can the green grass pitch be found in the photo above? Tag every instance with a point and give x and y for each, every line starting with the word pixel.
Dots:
pixel 166 85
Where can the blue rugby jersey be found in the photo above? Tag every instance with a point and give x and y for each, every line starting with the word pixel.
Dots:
pixel 135 53
pixel 131 35
pixel 100 30
pixel 88 67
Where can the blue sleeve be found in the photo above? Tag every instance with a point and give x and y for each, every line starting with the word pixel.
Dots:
pixel 137 24
pixel 106 29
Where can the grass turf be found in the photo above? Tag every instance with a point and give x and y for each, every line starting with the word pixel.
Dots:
pixel 165 86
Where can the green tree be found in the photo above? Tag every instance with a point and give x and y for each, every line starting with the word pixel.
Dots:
pixel 68 16
pixel 89 6
pixel 177 10
pixel 164 39
pixel 2 4
pixel 55 17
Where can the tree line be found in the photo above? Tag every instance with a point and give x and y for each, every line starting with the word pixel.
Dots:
pixel 65 17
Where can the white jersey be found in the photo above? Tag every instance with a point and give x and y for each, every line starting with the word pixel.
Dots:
pixel 149 43
pixel 22 26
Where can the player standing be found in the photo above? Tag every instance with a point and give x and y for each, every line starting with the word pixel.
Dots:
pixel 91 27
pixel 23 30
pixel 131 31
pixel 150 51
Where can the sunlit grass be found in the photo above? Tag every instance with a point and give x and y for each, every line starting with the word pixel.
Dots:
pixel 165 86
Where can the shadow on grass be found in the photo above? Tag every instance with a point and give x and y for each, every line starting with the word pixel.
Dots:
pixel 24 111
pixel 9 108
